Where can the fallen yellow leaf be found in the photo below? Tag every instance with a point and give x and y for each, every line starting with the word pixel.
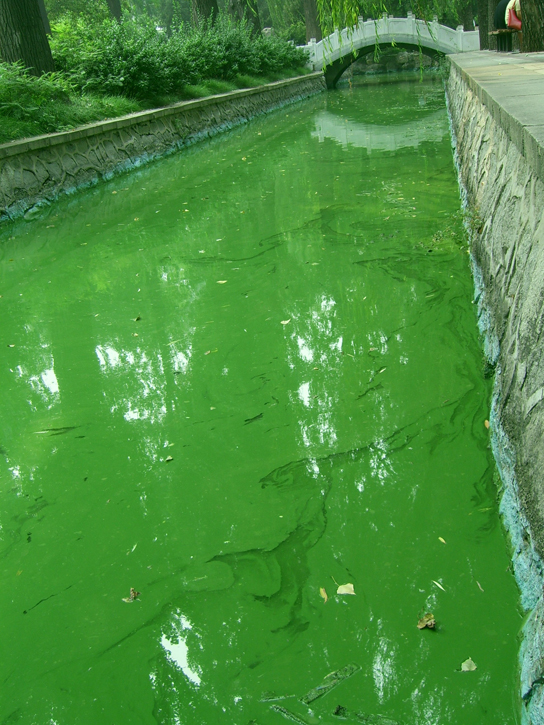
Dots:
pixel 427 620
pixel 221 281
pixel 468 665
pixel 323 593
pixel 345 589
pixel 439 585
pixel 441 539
pixel 286 322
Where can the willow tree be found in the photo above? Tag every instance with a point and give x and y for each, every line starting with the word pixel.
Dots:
pixel 203 10
pixel 23 37
pixel 344 14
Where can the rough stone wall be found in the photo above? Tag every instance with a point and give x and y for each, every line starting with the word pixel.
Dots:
pixel 505 194
pixel 38 170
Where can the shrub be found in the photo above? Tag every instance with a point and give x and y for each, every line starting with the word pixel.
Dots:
pixel 135 59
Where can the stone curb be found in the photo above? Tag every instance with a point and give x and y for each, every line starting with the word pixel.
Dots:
pixel 37 170
pixel 520 112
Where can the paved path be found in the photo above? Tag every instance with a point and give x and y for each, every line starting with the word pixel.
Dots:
pixel 511 86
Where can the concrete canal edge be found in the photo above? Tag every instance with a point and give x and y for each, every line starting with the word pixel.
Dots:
pixel 37 170
pixel 496 104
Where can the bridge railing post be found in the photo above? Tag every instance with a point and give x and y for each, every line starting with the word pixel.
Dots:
pixel 411 18
pixel 459 38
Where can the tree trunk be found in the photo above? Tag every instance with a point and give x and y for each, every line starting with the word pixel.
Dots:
pixel 45 19
pixel 313 29
pixel 466 15
pixel 115 9
pixel 203 9
pixel 238 8
pixel 22 36
pixel 532 25
pixel 483 24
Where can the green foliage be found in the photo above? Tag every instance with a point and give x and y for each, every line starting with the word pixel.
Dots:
pixel 296 32
pixel 285 15
pixel 344 13
pixel 30 105
pixel 92 10
pixel 134 59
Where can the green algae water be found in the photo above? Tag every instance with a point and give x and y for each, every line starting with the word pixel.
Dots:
pixel 243 440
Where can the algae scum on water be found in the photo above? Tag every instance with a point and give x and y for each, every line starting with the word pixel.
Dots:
pixel 244 451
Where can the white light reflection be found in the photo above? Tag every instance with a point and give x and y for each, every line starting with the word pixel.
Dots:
pixel 383 668
pixel 428 706
pixel 304 351
pixel 304 394
pixel 177 650
pixel 314 340
pixel 43 383
pixel 143 382
pixel 380 463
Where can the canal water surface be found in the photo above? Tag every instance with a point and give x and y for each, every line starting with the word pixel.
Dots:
pixel 243 437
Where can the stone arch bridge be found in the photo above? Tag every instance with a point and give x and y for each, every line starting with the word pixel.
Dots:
pixel 337 52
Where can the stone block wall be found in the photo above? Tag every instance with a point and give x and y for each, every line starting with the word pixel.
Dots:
pixel 501 171
pixel 37 170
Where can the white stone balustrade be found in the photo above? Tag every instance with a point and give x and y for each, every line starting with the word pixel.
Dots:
pixel 387 30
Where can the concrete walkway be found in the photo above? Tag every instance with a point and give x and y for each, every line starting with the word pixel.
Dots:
pixel 511 86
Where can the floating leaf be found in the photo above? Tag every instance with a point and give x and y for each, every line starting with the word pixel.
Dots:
pixel 221 281
pixel 441 539
pixel 287 714
pixel 486 423
pixel 479 585
pixel 439 585
pixel 345 589
pixel 343 713
pixel 323 593
pixel 427 620
pixel 133 595
pixel 168 459
pixel 329 683
pixel 286 322
pixel 468 666
pixel 137 319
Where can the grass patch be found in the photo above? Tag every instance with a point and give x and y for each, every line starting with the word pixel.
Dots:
pixel 31 106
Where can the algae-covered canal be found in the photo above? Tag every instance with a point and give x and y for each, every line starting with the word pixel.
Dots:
pixel 234 381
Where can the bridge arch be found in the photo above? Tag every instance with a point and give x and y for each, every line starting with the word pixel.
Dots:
pixel 337 52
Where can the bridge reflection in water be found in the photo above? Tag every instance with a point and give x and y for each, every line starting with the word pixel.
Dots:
pixel 376 137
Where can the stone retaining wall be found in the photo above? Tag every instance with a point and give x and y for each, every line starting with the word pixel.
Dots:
pixel 37 170
pixel 502 171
